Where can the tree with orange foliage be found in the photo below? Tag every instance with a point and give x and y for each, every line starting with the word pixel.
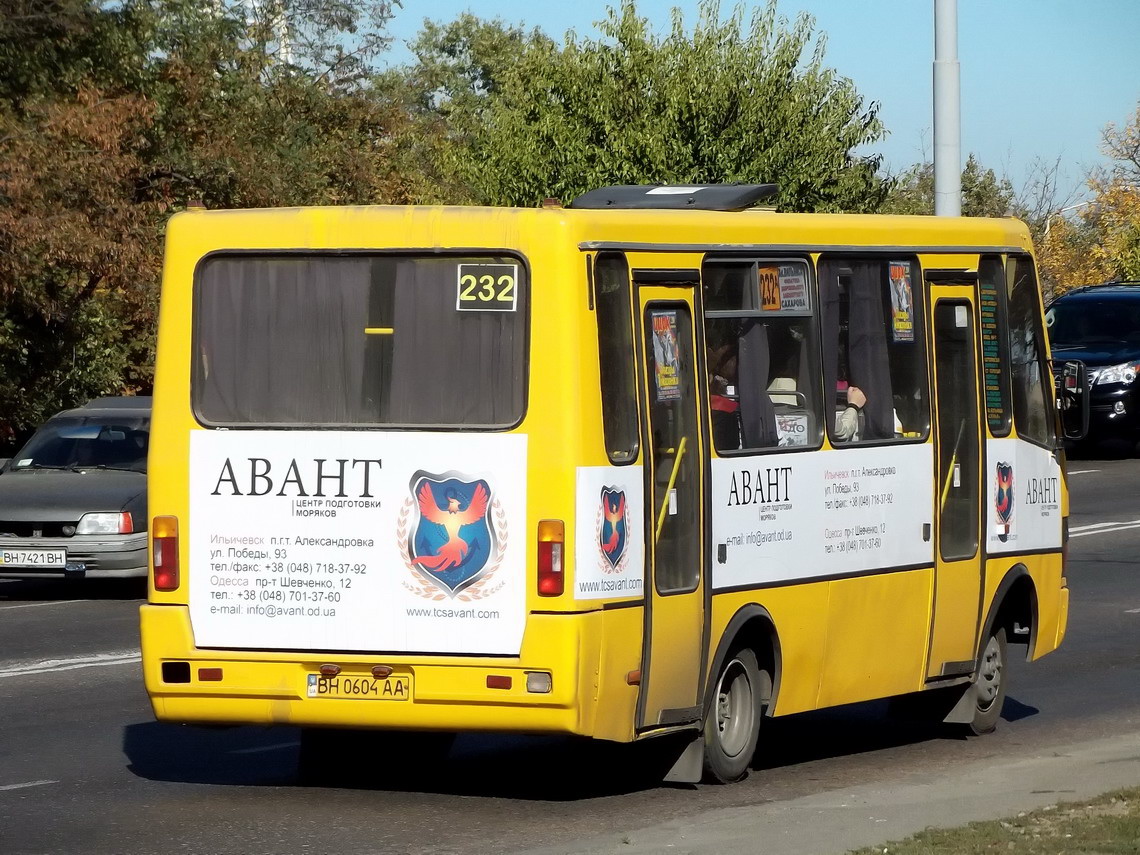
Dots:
pixel 1100 241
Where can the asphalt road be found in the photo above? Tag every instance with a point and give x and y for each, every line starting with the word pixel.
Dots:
pixel 84 768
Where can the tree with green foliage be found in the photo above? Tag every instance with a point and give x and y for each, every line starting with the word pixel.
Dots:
pixel 983 193
pixel 528 118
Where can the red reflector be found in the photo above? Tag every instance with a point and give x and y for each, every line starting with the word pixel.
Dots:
pixel 551 537
pixel 210 675
pixel 126 523
pixel 164 552
pixel 497 681
pixel 329 670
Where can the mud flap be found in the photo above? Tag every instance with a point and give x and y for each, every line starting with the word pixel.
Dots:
pixel 690 765
pixel 963 711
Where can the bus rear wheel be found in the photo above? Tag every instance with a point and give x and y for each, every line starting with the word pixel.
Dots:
pixel 989 688
pixel 732 726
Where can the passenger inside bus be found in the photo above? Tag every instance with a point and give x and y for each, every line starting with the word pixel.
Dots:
pixel 759 383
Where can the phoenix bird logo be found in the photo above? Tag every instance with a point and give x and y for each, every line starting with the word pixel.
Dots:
pixel 613 528
pixel 453 541
pixel 452 518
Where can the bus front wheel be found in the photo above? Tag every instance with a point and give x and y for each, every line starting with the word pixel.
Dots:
pixel 733 722
pixel 988 690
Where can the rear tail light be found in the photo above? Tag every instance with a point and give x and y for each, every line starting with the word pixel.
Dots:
pixel 164 534
pixel 551 539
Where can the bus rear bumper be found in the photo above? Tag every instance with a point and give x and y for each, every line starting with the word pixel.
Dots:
pixel 446 693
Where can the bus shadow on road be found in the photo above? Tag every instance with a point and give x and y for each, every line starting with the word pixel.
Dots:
pixel 857 729
pixel 514 767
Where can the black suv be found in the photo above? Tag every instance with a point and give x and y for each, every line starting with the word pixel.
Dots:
pixel 1099 325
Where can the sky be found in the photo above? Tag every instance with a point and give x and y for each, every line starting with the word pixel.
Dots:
pixel 1039 78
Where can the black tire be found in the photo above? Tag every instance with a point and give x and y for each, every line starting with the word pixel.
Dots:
pixel 989 687
pixel 732 724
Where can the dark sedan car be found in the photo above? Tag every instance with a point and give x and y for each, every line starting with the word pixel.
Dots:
pixel 73 499
pixel 1099 325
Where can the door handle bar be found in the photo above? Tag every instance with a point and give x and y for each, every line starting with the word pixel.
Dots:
pixel 669 489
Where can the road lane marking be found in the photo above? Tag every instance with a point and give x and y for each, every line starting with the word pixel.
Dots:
pixel 26 784
pixel 262 748
pixel 1120 527
pixel 36 605
pixel 44 666
pixel 1082 471
pixel 1091 526
pixel 1132 611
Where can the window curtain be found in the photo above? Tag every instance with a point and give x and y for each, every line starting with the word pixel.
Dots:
pixel 757 415
pixel 284 339
pixel 868 364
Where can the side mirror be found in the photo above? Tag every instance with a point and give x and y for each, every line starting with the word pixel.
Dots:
pixel 1073 400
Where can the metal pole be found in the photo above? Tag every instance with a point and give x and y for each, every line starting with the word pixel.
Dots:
pixel 947 112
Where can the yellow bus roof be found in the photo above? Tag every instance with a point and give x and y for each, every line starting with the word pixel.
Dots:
pixel 453 227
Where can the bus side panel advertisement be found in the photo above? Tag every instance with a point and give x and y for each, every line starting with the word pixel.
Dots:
pixel 799 516
pixel 1022 494
pixel 609 547
pixel 358 541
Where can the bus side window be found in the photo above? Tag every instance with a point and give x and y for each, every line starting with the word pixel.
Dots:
pixel 994 321
pixel 1032 385
pixel 874 357
pixel 760 335
pixel 615 357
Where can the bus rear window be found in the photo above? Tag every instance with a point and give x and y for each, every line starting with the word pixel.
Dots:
pixel 360 339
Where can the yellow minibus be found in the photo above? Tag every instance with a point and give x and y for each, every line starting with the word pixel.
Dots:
pixel 657 462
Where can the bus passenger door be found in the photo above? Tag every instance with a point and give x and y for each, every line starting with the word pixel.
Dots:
pixel 958 563
pixel 672 657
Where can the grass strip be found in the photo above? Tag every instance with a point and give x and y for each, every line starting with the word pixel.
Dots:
pixel 1107 825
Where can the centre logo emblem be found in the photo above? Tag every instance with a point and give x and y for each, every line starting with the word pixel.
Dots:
pixel 1003 499
pixel 452 533
pixel 613 529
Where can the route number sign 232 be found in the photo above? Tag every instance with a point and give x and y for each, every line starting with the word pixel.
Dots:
pixel 487 288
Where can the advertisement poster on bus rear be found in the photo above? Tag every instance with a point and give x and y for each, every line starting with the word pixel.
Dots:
pixel 358 541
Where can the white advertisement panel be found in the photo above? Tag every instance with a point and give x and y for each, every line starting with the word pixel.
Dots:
pixel 609 538
pixel 358 540
pixel 783 517
pixel 1022 491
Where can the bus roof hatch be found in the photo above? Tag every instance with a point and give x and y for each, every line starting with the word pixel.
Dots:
pixel 694 197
